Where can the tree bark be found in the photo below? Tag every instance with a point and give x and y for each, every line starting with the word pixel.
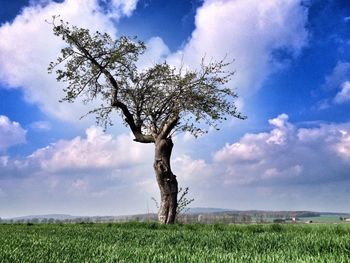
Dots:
pixel 166 181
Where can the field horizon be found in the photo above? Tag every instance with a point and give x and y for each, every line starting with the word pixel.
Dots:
pixel 215 215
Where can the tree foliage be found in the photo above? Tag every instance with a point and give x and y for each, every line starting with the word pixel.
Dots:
pixel 183 201
pixel 155 102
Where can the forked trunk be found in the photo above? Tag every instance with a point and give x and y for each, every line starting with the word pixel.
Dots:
pixel 166 181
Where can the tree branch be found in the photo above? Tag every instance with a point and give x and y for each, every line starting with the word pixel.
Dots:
pixel 136 130
pixel 169 125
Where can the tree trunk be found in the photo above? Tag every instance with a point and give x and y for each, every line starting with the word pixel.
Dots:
pixel 166 181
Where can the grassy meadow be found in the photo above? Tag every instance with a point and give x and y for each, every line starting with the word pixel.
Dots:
pixel 151 242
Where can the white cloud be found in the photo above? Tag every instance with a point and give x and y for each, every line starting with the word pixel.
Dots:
pixel 279 135
pixel 27 45
pixel 253 147
pixel 339 75
pixel 287 154
pixel 105 172
pixel 93 174
pixel 41 126
pixel 123 7
pixel 97 151
pixel 338 79
pixel 343 95
pixel 343 146
pixel 248 31
pixel 156 52
pixel 238 150
pixel 188 137
pixel 290 171
pixel 11 133
pixel 189 169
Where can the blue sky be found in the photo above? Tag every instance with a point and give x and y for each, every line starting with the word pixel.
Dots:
pixel 292 65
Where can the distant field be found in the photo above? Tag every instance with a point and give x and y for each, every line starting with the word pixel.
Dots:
pixel 150 242
pixel 315 219
pixel 323 219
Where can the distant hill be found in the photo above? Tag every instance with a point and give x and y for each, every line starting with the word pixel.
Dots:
pixel 204 210
pixel 48 216
pixel 193 212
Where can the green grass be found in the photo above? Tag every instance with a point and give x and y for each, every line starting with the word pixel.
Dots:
pixel 141 242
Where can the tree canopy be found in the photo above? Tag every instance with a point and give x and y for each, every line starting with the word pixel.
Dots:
pixel 155 102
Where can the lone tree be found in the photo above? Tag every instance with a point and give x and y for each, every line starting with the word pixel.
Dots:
pixel 154 103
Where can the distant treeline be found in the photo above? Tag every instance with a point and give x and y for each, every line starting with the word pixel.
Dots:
pixel 93 219
pixel 228 217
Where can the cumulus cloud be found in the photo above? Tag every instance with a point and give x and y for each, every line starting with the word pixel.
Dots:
pixel 97 151
pixel 11 133
pixel 291 171
pixel 249 147
pixel 122 7
pixel 156 52
pixel 189 169
pixel 287 154
pixel 95 173
pixel 80 157
pixel 277 166
pixel 249 31
pixel 27 45
pixel 285 167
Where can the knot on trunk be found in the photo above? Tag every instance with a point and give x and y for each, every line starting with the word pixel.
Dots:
pixel 160 166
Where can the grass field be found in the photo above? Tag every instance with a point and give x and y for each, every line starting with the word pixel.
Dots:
pixel 150 242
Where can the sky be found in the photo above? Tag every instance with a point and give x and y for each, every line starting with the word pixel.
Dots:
pixel 291 60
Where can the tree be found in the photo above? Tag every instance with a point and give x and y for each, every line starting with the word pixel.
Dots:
pixel 154 103
pixel 182 202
